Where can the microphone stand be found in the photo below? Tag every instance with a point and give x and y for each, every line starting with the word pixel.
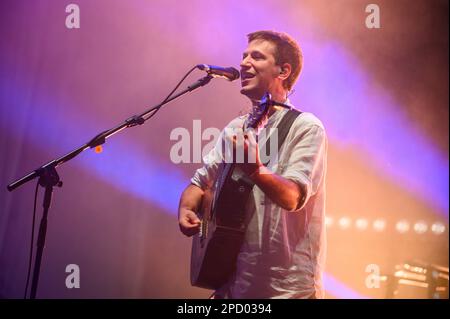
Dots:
pixel 49 178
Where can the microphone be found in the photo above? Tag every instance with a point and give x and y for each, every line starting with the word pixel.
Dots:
pixel 230 74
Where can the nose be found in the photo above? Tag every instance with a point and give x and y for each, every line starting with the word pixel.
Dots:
pixel 245 63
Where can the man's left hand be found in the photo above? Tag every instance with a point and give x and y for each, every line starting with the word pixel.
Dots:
pixel 246 141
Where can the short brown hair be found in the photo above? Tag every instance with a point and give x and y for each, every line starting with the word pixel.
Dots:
pixel 287 51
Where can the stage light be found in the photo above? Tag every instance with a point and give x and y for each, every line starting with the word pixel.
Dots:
pixel 328 221
pixel 438 228
pixel 379 225
pixel 361 224
pixel 344 222
pixel 402 226
pixel 420 227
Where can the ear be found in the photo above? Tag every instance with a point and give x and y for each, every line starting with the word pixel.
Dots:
pixel 285 71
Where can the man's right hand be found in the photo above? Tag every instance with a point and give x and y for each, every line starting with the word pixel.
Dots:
pixel 190 201
pixel 188 221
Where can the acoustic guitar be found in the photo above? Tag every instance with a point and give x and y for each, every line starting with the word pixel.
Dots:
pixel 223 218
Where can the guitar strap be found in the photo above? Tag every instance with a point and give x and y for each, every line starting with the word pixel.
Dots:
pixel 283 129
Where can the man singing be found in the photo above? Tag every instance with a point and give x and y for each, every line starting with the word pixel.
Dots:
pixel 283 252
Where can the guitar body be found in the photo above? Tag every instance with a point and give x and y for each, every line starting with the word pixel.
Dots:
pixel 224 222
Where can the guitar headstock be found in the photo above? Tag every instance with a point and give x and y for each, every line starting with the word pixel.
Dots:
pixel 259 111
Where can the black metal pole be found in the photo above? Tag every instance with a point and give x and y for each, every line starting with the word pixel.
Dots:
pixel 48 179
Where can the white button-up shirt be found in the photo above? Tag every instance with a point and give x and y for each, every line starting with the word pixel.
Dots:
pixel 283 253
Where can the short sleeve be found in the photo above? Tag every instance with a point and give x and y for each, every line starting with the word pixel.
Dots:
pixel 205 176
pixel 306 165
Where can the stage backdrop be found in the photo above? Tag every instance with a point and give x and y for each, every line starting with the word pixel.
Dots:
pixel 377 77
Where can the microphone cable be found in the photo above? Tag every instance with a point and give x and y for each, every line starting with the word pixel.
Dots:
pixel 32 240
pixel 171 93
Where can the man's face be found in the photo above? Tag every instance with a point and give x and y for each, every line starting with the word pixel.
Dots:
pixel 258 69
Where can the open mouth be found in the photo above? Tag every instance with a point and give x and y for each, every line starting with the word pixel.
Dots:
pixel 246 76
